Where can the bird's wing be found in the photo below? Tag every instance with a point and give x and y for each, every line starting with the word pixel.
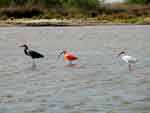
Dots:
pixel 72 57
pixel 129 59
pixel 133 60
pixel 35 54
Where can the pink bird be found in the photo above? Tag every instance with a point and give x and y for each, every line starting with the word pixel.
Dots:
pixel 67 56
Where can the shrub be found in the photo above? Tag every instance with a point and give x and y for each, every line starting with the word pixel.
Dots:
pixel 138 1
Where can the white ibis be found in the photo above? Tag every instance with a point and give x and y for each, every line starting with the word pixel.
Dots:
pixel 128 59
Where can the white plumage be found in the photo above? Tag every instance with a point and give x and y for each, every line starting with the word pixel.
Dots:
pixel 128 59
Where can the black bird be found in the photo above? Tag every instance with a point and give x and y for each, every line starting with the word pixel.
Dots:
pixel 31 53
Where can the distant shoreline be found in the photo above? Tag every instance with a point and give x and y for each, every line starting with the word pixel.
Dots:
pixel 35 14
pixel 71 22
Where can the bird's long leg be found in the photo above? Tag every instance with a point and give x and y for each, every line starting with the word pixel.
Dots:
pixel 70 62
pixel 33 63
pixel 130 67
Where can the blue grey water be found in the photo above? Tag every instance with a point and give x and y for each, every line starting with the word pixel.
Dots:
pixel 100 83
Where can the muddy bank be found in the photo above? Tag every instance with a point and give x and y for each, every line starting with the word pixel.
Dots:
pixel 74 22
pixel 45 22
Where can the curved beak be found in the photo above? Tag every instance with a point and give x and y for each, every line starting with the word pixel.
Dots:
pixel 58 57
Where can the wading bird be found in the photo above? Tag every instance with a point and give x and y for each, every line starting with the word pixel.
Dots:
pixel 68 57
pixel 32 54
pixel 128 59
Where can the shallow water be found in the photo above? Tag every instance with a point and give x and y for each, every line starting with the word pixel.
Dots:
pixel 99 82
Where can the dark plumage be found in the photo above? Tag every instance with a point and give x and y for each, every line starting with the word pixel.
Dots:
pixel 31 53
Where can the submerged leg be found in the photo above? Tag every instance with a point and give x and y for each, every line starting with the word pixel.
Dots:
pixel 33 63
pixel 70 62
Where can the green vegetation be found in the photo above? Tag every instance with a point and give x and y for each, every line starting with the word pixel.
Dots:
pixel 84 4
pixel 133 11
pixel 138 1
pixel 49 8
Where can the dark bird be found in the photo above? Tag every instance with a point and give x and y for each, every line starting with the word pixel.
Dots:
pixel 31 53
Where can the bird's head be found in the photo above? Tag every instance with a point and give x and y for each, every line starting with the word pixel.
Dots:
pixel 24 46
pixel 63 52
pixel 121 53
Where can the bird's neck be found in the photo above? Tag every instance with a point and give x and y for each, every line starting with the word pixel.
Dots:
pixel 122 55
pixel 66 54
pixel 26 51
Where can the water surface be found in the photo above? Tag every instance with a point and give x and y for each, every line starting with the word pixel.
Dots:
pixel 101 82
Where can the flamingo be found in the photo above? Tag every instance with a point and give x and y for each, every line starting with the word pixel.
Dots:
pixel 67 56
pixel 128 59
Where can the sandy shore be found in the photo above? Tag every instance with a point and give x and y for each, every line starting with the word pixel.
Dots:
pixel 65 22
pixel 46 22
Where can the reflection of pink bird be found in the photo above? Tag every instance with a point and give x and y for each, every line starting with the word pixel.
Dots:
pixel 68 56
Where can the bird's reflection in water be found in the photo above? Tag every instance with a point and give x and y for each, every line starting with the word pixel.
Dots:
pixel 33 67
pixel 73 65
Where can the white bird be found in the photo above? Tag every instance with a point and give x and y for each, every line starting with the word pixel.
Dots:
pixel 128 59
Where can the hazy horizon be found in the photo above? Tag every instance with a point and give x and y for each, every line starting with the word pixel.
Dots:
pixel 113 1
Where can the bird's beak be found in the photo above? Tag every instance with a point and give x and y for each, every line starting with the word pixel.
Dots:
pixel 60 55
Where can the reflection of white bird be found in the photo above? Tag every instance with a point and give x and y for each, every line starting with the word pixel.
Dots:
pixel 128 59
